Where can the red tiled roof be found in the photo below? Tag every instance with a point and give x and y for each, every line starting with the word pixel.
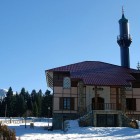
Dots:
pixel 98 73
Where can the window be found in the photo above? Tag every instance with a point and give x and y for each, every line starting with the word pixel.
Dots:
pixel 66 82
pixel 131 103
pixel 66 103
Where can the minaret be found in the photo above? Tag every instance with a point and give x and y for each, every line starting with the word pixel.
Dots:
pixel 124 40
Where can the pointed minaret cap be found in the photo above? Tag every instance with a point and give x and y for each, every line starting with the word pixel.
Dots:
pixel 123 19
pixel 123 13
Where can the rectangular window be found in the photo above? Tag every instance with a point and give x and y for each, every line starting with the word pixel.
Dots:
pixel 66 103
pixel 131 103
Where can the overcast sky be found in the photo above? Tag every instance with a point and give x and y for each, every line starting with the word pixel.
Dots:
pixel 36 35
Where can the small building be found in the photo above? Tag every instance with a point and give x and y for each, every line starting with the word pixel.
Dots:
pixel 99 93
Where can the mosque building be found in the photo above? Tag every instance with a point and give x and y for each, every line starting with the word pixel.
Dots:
pixel 97 93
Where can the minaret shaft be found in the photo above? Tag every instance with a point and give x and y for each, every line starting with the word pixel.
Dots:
pixel 125 60
pixel 124 40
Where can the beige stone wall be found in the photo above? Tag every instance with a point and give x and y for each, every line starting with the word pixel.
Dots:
pixel 138 105
pixel 61 92
pixel 109 95
pixel 90 93
pixel 72 90
pixel 135 93
pixel 57 89
pixel 112 95
pixel 66 111
pixel 55 103
pixel 81 97
pixel 105 94
pixel 129 93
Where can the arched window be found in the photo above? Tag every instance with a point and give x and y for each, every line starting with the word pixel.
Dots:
pixel 66 82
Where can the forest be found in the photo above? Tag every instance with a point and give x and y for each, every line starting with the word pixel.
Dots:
pixel 34 104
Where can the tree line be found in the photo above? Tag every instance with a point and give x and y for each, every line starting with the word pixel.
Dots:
pixel 35 104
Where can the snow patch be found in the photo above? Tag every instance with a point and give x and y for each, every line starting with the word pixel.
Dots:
pixel 74 132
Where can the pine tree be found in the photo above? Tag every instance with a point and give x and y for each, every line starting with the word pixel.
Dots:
pixel 39 101
pixel 47 104
pixel 21 105
pixel 3 108
pixel 9 102
pixel 35 109
pixel 35 104
pixel 33 95
pixel 14 113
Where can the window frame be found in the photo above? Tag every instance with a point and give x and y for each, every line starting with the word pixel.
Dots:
pixel 66 103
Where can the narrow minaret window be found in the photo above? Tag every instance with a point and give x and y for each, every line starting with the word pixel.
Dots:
pixel 124 40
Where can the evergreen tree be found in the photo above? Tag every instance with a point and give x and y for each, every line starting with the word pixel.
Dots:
pixel 14 113
pixel 3 108
pixel 33 95
pixel 35 104
pixel 25 94
pixel 35 109
pixel 39 101
pixel 21 105
pixel 9 102
pixel 29 104
pixel 10 92
pixel 47 104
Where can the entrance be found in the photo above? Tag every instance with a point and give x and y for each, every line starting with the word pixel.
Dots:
pixel 107 120
pixel 100 104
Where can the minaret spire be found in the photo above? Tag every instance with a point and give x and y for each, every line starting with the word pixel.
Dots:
pixel 123 17
pixel 122 11
pixel 124 40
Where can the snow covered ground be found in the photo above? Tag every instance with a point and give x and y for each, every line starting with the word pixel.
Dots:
pixel 74 132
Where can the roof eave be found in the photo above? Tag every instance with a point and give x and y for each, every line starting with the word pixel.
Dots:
pixel 49 79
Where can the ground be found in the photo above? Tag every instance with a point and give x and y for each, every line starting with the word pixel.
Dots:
pixel 74 132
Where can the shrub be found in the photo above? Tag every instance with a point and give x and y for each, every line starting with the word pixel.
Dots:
pixel 6 133
pixel 134 124
pixel 32 125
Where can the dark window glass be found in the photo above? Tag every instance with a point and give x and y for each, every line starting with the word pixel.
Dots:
pixel 66 103
pixel 131 103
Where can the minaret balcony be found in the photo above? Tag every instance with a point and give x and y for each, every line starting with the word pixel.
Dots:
pixel 124 41
pixel 124 37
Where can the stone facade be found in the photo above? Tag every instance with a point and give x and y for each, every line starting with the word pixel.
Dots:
pixel 94 91
pixel 59 118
